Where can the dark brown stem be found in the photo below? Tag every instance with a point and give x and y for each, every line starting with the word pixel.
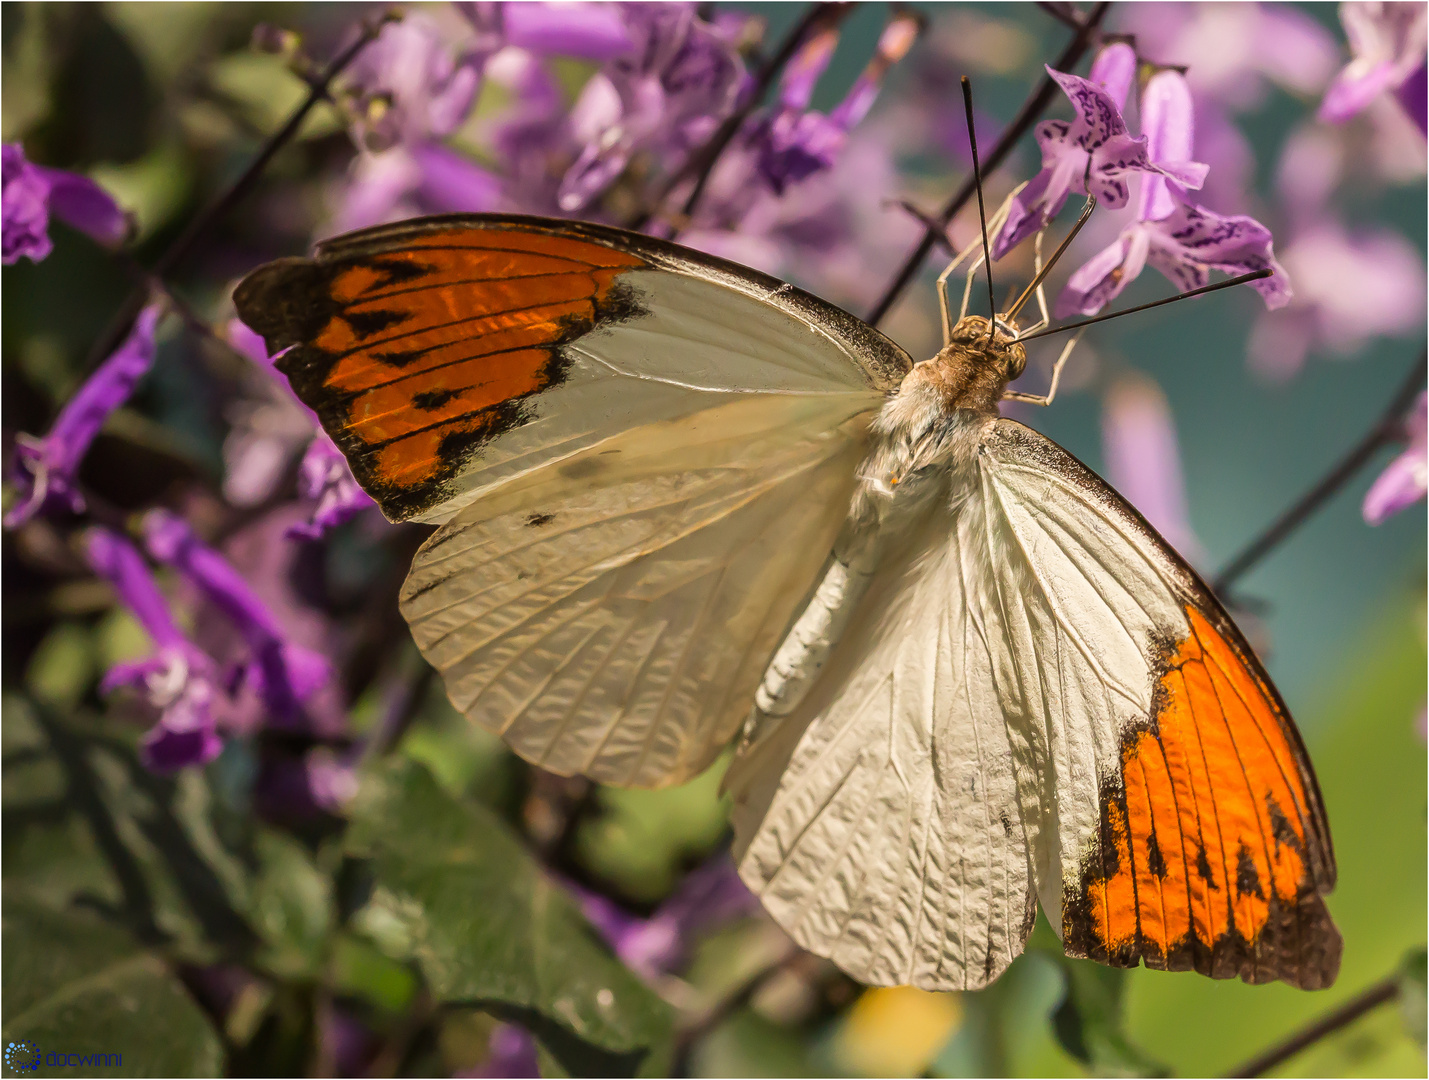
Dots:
pixel 1031 109
pixel 1346 1014
pixel 701 163
pixel 120 325
pixel 1386 429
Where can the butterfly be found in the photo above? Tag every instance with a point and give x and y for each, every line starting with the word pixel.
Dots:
pixel 683 504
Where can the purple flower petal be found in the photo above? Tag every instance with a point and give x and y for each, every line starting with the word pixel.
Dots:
pixel 666 97
pixel 1404 480
pixel 1098 114
pixel 177 680
pixel 1184 246
pixel 410 85
pixel 82 204
pixel 801 74
pixel 1093 154
pixel 45 468
pixel 1143 461
pixel 324 475
pixel 453 184
pixel 164 750
pixel 1168 121
pixel 586 31
pixel 1413 94
pixel 1113 70
pixel 1099 280
pixel 1388 41
pixel 25 209
pixel 286 675
pixel 32 193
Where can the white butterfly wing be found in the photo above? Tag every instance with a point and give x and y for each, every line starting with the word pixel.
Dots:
pixel 613 617
pixel 1180 821
pixel 880 823
pixel 1039 660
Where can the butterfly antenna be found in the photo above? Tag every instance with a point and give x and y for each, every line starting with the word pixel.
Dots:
pixel 1047 267
pixel 1256 276
pixel 981 210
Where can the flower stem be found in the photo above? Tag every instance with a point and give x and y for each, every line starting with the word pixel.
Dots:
pixel 1376 995
pixel 701 163
pixel 1385 429
pixel 1031 109
pixel 120 325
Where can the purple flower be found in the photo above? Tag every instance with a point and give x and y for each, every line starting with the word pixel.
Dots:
pixel 797 142
pixel 1403 481
pixel 1388 41
pixel 709 896
pixel 587 31
pixel 32 193
pixel 324 475
pixel 409 86
pixel 1181 240
pixel 178 679
pixel 665 97
pixel 1142 459
pixel 44 469
pixel 1093 154
pixel 1349 289
pixel 285 675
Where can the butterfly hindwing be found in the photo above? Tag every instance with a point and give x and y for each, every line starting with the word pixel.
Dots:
pixel 1189 831
pixel 612 616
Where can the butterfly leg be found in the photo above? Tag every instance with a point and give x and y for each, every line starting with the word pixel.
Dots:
pixel 1046 319
pixel 1047 398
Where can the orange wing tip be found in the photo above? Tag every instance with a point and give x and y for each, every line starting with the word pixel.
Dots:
pixel 418 345
pixel 1208 857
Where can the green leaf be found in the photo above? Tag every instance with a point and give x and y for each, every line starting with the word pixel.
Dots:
pixel 1413 999
pixel 1089 1022
pixel 454 890
pixel 75 985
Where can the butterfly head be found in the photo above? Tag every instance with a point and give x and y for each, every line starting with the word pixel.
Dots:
pixel 972 370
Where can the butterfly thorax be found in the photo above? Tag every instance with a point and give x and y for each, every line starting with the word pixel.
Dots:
pixel 971 371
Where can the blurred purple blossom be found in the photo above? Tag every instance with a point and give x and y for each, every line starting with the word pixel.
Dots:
pixel 44 469
pixel 284 674
pixel 1143 462
pixel 707 897
pixel 1403 481
pixel 666 97
pixel 32 193
pixel 1092 154
pixel 324 475
pixel 1388 42
pixel 596 32
pixel 1350 287
pixel 1181 240
pixel 178 679
pixel 795 141
pixel 512 1053
pixel 1232 51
